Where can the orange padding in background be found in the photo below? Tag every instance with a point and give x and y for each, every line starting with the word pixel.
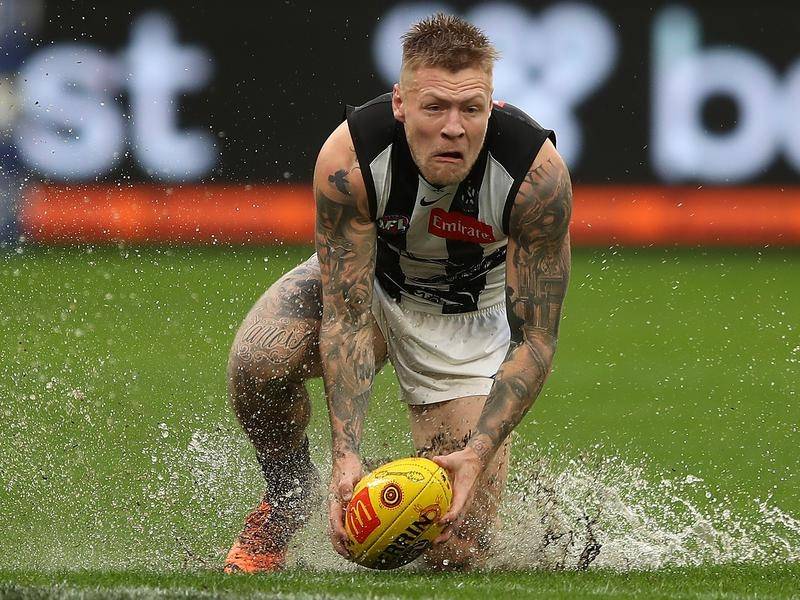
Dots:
pixel 203 214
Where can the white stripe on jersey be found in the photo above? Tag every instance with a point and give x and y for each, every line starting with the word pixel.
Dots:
pixel 382 177
pixel 428 252
pixel 494 190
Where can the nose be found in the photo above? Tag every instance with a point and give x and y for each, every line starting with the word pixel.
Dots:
pixel 453 127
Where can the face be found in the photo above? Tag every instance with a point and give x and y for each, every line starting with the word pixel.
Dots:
pixel 445 116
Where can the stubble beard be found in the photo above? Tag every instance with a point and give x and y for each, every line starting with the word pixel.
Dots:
pixel 444 175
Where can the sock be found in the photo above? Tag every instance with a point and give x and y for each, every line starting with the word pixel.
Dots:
pixel 288 476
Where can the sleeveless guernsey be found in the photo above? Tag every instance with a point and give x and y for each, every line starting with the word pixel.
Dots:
pixel 442 249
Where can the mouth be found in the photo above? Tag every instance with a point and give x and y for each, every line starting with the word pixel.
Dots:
pixel 450 157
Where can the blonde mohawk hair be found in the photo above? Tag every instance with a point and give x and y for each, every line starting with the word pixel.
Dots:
pixel 448 42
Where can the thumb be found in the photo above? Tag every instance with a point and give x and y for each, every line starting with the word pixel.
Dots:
pixel 446 462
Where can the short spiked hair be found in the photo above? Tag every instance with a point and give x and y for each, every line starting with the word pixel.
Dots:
pixel 448 42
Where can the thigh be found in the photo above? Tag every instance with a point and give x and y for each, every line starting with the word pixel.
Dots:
pixel 445 427
pixel 279 337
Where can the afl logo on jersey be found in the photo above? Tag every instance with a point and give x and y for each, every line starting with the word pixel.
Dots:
pixel 393 224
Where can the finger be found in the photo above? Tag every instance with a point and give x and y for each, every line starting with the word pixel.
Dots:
pixel 337 525
pixel 445 535
pixel 336 518
pixel 338 545
pixel 449 465
pixel 449 531
pixel 336 514
pixel 457 505
pixel 332 523
pixel 443 461
pixel 337 532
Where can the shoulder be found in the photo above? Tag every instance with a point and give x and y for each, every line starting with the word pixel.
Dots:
pixel 372 126
pixel 516 141
pixel 378 107
pixel 543 203
pixel 513 128
pixel 508 112
pixel 547 164
pixel 337 173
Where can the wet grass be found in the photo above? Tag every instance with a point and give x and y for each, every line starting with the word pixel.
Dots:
pixel 734 581
pixel 118 450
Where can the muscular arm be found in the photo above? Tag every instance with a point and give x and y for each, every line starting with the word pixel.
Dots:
pixel 537 273
pixel 345 243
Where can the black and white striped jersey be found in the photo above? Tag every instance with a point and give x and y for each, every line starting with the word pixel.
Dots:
pixel 442 249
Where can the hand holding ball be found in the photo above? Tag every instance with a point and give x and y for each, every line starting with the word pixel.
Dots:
pixel 391 518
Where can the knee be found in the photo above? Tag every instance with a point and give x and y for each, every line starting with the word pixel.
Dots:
pixel 253 379
pixel 246 367
pixel 271 405
pixel 264 352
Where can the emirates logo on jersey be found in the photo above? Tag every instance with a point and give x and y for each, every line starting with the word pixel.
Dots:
pixel 456 226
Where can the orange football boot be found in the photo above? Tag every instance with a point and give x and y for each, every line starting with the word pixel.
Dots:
pixel 261 547
pixel 284 509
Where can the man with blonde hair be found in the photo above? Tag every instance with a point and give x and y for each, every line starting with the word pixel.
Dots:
pixel 442 244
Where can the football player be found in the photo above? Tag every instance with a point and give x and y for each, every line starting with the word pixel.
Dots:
pixel 442 246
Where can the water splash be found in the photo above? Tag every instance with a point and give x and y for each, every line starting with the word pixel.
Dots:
pixel 604 511
pixel 595 510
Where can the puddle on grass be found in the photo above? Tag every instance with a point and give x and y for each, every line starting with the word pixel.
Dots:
pixel 602 511
pixel 597 511
pixel 605 512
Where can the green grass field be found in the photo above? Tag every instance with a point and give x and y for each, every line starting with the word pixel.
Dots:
pixel 720 583
pixel 668 431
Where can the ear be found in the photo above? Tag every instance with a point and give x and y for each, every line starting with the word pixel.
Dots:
pixel 397 104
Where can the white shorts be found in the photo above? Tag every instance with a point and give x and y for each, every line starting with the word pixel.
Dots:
pixel 442 357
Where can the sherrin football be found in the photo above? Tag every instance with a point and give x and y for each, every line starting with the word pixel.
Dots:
pixel 391 518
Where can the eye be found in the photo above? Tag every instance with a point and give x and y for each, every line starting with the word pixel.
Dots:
pixel 432 107
pixel 473 110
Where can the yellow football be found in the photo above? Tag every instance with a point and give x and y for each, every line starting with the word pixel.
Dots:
pixel 391 518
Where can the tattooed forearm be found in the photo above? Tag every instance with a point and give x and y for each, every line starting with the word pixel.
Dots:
pixel 536 281
pixel 345 242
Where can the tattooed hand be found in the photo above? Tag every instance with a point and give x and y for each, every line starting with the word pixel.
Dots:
pixel 537 272
pixel 347 472
pixel 345 242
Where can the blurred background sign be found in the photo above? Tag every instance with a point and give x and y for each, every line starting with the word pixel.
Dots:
pixel 97 98
pixel 74 126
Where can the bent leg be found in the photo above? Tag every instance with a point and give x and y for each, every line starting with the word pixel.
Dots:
pixel 443 428
pixel 274 352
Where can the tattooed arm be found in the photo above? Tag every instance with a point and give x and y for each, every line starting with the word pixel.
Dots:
pixel 345 243
pixel 537 273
